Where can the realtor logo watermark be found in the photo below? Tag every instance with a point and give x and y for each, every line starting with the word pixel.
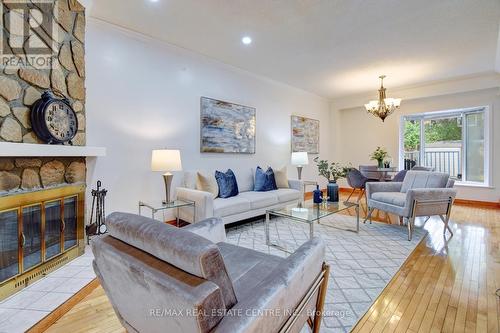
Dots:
pixel 28 33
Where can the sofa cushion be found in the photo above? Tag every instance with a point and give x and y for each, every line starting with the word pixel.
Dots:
pixel 228 187
pixel 281 178
pixel 260 199
pixel 206 182
pixel 230 206
pixel 264 180
pixel 424 179
pixel 286 194
pixel 247 267
pixel 392 198
pixel 245 179
pixel 189 180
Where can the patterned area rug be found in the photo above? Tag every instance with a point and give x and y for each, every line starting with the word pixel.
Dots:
pixel 361 264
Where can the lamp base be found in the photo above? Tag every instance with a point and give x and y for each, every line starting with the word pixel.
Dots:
pixel 167 178
pixel 299 172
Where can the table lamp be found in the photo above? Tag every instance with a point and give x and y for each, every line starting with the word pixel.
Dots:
pixel 300 159
pixel 166 160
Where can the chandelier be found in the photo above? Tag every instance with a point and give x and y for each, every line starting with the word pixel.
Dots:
pixel 384 106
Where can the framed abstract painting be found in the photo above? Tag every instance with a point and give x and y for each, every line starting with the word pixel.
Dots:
pixel 226 127
pixel 305 135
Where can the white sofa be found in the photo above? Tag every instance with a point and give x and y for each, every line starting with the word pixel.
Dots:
pixel 245 205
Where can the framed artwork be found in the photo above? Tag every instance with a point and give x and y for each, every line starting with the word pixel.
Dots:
pixel 226 127
pixel 305 135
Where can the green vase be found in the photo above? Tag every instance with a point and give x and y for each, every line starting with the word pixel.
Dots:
pixel 380 163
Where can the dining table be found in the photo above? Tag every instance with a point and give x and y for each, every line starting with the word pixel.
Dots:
pixel 386 174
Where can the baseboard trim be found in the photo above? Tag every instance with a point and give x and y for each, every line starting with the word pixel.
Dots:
pixel 463 202
pixel 476 203
pixel 64 308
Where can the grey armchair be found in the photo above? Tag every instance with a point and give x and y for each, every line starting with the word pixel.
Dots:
pixel 421 193
pixel 163 279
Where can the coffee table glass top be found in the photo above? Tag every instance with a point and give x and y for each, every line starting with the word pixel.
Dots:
pixel 310 212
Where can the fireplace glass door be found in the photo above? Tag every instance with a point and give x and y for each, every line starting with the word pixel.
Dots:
pixel 52 229
pixel 9 244
pixel 70 222
pixel 31 237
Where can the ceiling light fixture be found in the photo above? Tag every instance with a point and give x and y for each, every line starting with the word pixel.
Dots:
pixel 246 40
pixel 384 106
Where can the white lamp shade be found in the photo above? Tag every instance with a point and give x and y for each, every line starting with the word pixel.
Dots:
pixel 300 158
pixel 166 160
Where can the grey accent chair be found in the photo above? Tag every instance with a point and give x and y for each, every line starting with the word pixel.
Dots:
pixel 422 193
pixel 164 279
pixel 356 180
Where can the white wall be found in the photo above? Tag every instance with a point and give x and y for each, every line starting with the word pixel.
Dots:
pixel 364 133
pixel 143 94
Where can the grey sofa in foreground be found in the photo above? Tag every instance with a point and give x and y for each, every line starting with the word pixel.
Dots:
pixel 163 279
pixel 422 193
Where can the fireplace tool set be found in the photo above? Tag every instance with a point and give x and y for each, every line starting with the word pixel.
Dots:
pixel 97 224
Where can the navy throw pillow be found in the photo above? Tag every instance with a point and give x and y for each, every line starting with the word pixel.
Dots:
pixel 264 181
pixel 227 184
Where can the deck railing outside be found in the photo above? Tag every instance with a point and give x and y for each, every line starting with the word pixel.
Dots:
pixel 446 160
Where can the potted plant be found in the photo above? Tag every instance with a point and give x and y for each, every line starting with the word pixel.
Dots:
pixel 379 155
pixel 332 172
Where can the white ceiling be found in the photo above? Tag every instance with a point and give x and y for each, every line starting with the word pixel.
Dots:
pixel 329 47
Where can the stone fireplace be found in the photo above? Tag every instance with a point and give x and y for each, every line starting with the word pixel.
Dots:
pixel 42 188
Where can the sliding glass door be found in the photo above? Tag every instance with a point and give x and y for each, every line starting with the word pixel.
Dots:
pixel 454 142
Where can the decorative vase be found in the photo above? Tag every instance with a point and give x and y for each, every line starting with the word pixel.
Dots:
pixel 333 191
pixel 317 195
pixel 380 163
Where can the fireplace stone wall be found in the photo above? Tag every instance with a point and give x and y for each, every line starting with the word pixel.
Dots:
pixel 20 87
pixel 28 174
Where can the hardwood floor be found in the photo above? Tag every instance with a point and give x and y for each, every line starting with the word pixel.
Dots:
pixel 446 285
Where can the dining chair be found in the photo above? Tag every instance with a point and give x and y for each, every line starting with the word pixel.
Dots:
pixel 400 176
pixel 357 181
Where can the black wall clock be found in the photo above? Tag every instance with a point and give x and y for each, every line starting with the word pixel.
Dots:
pixel 53 119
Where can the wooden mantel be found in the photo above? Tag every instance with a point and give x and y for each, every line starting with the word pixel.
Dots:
pixel 8 149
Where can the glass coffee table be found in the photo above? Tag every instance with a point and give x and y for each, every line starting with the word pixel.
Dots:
pixel 310 213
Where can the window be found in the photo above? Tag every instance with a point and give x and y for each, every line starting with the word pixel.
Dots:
pixel 455 142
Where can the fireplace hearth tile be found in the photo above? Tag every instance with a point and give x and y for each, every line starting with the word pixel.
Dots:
pixel 67 271
pixel 22 299
pixel 50 301
pixel 47 284
pixel 6 314
pixel 72 285
pixel 30 305
pixel 22 320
